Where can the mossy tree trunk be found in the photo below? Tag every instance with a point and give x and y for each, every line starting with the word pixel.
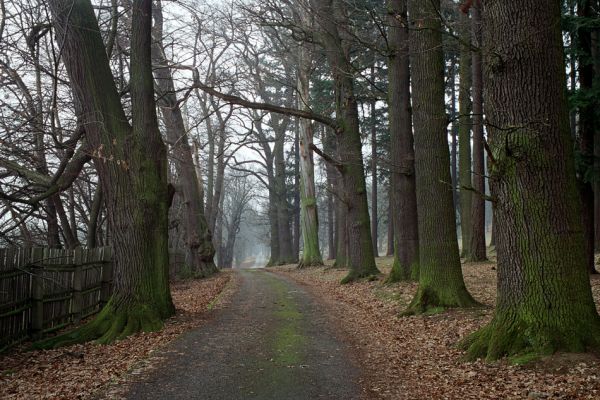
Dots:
pixel 544 300
pixel 200 251
pixel 132 166
pixel 403 184
pixel 464 133
pixel 440 282
pixel 361 261
pixel 477 230
pixel 311 254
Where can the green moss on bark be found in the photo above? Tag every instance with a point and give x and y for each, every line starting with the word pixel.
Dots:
pixel 523 338
pixel 433 299
pixel 112 324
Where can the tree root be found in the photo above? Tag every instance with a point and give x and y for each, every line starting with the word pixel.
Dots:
pixel 370 274
pixel 109 325
pixel 429 300
pixel 314 263
pixel 522 342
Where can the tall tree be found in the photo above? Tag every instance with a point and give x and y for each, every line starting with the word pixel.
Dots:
pixel 374 156
pixel 477 230
pixel 132 165
pixel 403 184
pixel 464 132
pixel 198 239
pixel 587 126
pixel 544 299
pixel 330 15
pixel 441 282
pixel 311 254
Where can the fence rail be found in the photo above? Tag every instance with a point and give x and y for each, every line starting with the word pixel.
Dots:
pixel 43 290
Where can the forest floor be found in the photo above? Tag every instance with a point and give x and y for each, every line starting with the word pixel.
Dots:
pixel 81 371
pixel 416 357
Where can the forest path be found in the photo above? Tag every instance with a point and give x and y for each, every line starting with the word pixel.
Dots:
pixel 273 341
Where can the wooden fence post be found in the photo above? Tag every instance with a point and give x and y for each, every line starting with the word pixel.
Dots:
pixel 77 298
pixel 107 274
pixel 37 293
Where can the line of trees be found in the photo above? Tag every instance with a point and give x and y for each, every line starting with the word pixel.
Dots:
pixel 153 126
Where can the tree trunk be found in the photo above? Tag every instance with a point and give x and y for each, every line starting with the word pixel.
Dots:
pixel 199 249
pixel 390 224
pixel 544 300
pixel 587 116
pixel 297 187
pixel 374 211
pixel 477 231
pixel 440 282
pixel 464 134
pixel 341 220
pixel 283 215
pixel 403 184
pixel 95 212
pixel 132 167
pixel 454 135
pixel 330 225
pixel 332 195
pixel 219 181
pixel 311 254
pixel 69 235
pixel 360 251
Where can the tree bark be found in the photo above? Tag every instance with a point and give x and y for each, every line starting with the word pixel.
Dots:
pixel 587 117
pixel 390 224
pixel 454 135
pixel 464 133
pixel 374 211
pixel 332 195
pixel 441 282
pixel 131 163
pixel 477 241
pixel 297 187
pixel 311 254
pixel 544 300
pixel 403 184
pixel 95 212
pixel 361 260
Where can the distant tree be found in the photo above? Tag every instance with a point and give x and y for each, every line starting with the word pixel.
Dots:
pixel 198 239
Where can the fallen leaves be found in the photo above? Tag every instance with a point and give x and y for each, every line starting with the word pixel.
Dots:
pixel 416 357
pixel 78 371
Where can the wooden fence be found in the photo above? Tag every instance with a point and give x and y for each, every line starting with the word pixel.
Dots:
pixel 44 290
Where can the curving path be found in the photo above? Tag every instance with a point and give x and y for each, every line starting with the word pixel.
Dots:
pixel 272 341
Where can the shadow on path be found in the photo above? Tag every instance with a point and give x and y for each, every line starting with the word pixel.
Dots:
pixel 271 342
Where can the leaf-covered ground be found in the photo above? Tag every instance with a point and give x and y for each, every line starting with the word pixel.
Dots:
pixel 416 357
pixel 79 371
